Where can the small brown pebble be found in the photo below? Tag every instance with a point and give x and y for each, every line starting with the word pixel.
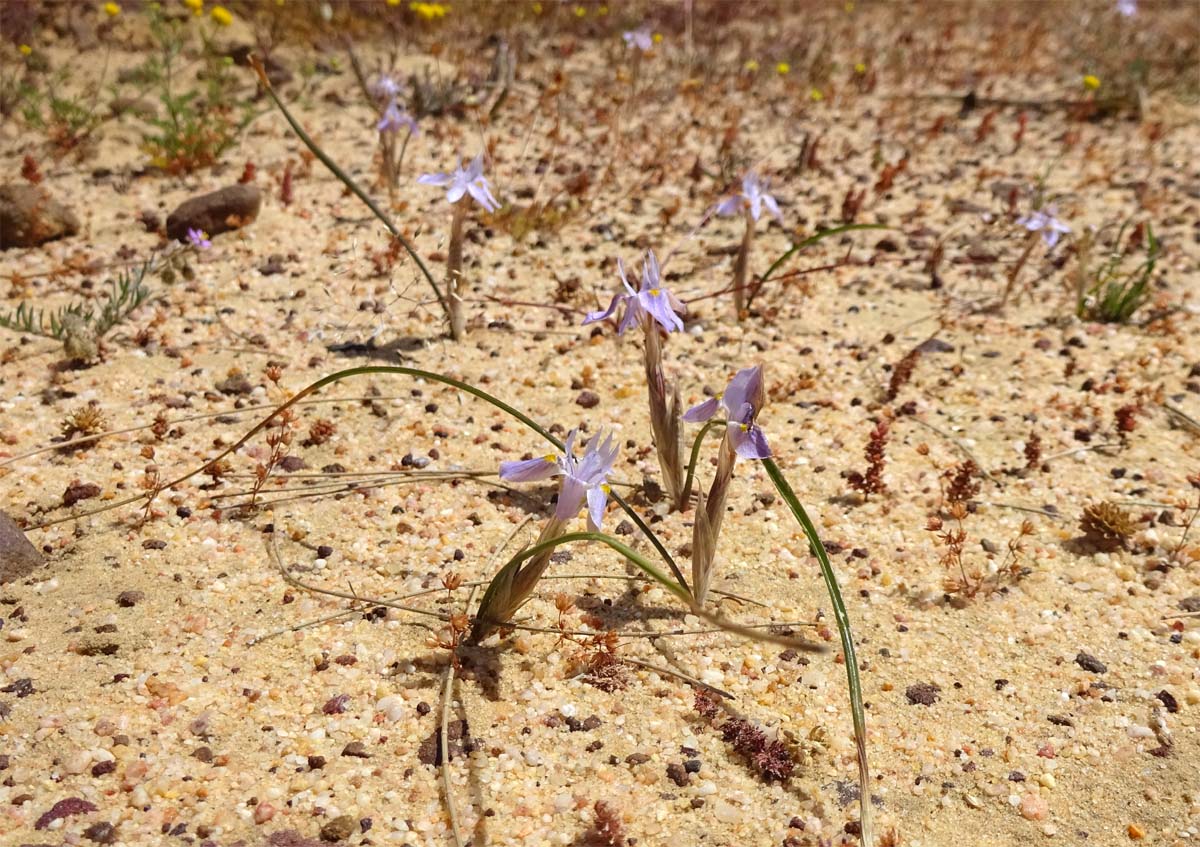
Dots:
pixel 637 759
pixel 315 763
pixel 324 551
pixel 922 693
pixel 263 812
pixel 336 705
pixel 129 599
pixel 1168 700
pixel 63 809
pixel 101 832
pixel 339 829
pixel 1136 832
pixel 102 768
pixel 203 754
pixel 677 774
pixel 697 802
pixel 588 399
pixel 356 749
pixel 154 544
pixel 77 491
pixel 1090 663
pixel 423 708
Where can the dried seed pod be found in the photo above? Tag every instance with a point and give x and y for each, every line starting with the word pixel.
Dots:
pixel 1107 525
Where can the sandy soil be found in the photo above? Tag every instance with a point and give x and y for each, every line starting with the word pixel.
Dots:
pixel 165 671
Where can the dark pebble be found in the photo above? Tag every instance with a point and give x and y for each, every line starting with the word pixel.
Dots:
pixel 423 708
pixel 1168 699
pixel 636 759
pixel 315 763
pixel 129 599
pixel 154 544
pixel 103 768
pixel 77 491
pixel 356 750
pixel 1090 663
pixel 291 464
pixel 588 399
pixel 922 693
pixel 677 774
pixel 101 832
pixel 336 706
pixel 339 829
pixel 324 551
pixel 203 754
pixel 692 765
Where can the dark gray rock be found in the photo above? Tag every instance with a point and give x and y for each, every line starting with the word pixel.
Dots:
pixel 223 210
pixel 18 557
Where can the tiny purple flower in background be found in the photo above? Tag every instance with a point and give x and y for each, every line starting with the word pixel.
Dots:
pixel 385 88
pixel 1127 8
pixel 198 239
pixel 460 182
pixel 1046 221
pixel 639 38
pixel 753 196
pixel 741 401
pixel 393 118
pixel 651 299
pixel 583 478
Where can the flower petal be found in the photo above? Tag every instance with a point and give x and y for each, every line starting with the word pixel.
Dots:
pixel 658 306
pixel 749 441
pixel 745 387
pixel 702 411
pixel 570 498
pixel 529 470
pixel 456 191
pixel 604 314
pixel 435 179
pixel 730 205
pixel 772 207
pixel 597 500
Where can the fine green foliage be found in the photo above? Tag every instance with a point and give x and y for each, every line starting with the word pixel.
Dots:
pixel 1113 295
pixel 81 325
pixel 196 125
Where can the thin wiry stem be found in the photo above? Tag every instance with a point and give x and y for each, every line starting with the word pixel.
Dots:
pixel 384 369
pixel 351 184
pixel 853 683
pixel 796 248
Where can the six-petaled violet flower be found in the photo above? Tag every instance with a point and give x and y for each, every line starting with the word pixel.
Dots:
pixel 753 196
pixel 639 38
pixel 650 299
pixel 385 87
pixel 583 478
pixel 470 181
pixel 1047 222
pixel 741 401
pixel 393 119
pixel 1127 8
pixel 198 239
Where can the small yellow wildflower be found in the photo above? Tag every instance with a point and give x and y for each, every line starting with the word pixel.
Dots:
pixel 860 68
pixel 603 10
pixel 849 7
pixel 1091 82
pixel 537 8
pixel 751 65
pixel 580 11
pixel 656 38
pixel 197 6
pixel 25 49
pixel 393 2
pixel 783 68
pixel 428 11
pixel 111 9
pixel 221 15
pixel 815 95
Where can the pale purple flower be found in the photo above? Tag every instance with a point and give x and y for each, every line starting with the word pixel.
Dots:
pixel 1047 222
pixel 650 299
pixel 753 196
pixel 385 88
pixel 393 119
pixel 460 182
pixel 741 401
pixel 584 478
pixel 1127 8
pixel 198 239
pixel 639 38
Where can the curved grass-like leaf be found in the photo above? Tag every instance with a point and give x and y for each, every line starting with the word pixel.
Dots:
pixel 853 683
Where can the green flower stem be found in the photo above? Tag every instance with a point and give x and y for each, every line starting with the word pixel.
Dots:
pixel 691 468
pixel 351 184
pixel 796 248
pixel 854 684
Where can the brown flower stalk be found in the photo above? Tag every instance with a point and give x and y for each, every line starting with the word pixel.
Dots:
pixel 664 416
